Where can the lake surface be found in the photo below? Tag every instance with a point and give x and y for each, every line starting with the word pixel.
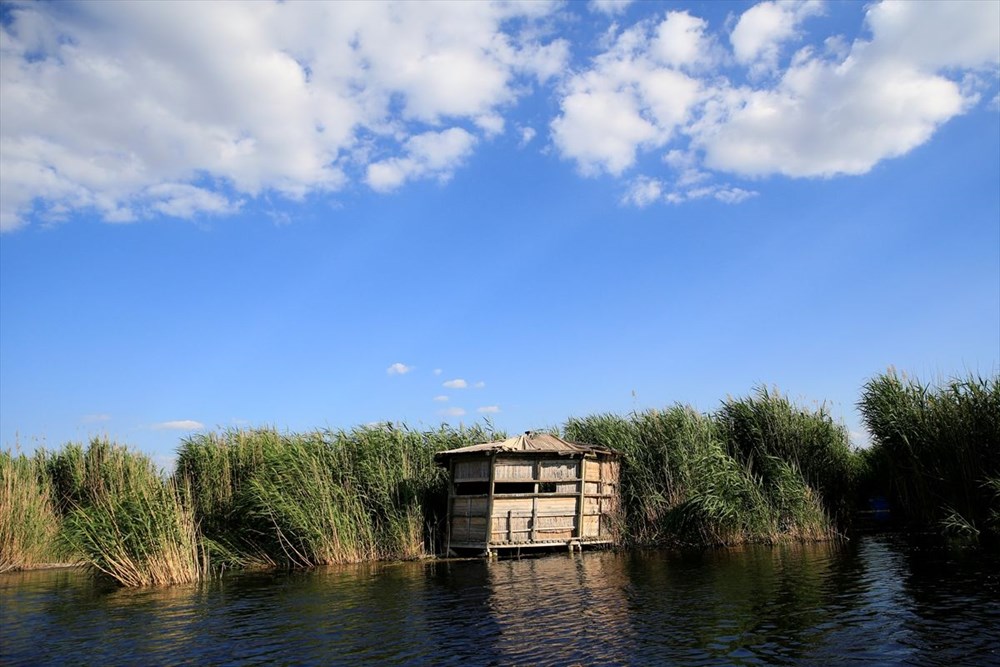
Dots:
pixel 875 600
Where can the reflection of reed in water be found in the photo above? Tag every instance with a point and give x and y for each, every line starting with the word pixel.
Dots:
pixel 742 605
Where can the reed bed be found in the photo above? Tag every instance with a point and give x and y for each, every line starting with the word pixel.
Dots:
pixel 297 500
pixel 776 439
pixel 123 518
pixel 759 470
pixel 936 451
pixel 29 522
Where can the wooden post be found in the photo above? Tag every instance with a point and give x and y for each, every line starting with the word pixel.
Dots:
pixel 601 505
pixel 510 525
pixel 489 502
pixel 534 519
pixel 451 501
pixel 583 502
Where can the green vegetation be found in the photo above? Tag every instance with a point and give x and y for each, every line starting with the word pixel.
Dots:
pixel 759 469
pixel 936 451
pixel 122 518
pixel 29 523
pixel 266 498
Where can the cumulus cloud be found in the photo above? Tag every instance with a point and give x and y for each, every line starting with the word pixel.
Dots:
pixel 181 109
pixel 452 412
pixel 429 154
pixel 830 108
pixel 441 399
pixel 628 101
pixel 137 110
pixel 178 425
pixel 479 385
pixel 643 191
pixel 763 29
pixel 457 383
pixel 731 195
pixel 527 134
pixel 398 369
pixel 438 371
pixel 180 200
pixel 682 40
pixel 488 409
pixel 826 117
pixel 608 7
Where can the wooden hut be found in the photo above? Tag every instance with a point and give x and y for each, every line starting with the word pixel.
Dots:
pixel 534 490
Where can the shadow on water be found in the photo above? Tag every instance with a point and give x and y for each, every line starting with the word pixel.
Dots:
pixel 955 594
pixel 880 600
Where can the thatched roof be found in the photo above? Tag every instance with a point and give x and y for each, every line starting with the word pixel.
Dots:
pixel 535 443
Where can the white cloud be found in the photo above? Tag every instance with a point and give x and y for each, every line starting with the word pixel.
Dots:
pixel 457 383
pixel 479 385
pixel 831 108
pixel 181 109
pixel 643 191
pixel 608 7
pixel 95 418
pixel 438 371
pixel 727 194
pixel 681 40
pixel 489 409
pixel 527 134
pixel 842 115
pixel 398 369
pixel 628 101
pixel 178 425
pixel 935 35
pixel 428 154
pixel 135 110
pixel 731 195
pixel 601 130
pixel 441 399
pixel 452 412
pixel 827 118
pixel 179 200
pixel 761 31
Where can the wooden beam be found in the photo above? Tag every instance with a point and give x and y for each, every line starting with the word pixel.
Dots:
pixel 581 501
pixel 489 501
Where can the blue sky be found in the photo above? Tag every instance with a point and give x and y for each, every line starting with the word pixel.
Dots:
pixel 325 215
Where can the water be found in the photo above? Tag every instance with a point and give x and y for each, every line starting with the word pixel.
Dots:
pixel 877 600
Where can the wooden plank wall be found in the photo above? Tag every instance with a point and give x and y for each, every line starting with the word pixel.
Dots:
pixel 469 514
pixel 573 507
pixel 600 499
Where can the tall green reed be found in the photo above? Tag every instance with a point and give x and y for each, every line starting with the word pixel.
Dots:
pixel 29 521
pixel 268 498
pixel 936 450
pixel 125 520
pixel 769 435
pixel 687 479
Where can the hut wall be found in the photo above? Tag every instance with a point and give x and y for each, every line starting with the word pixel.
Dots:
pixel 533 501
pixel 470 501
pixel 477 470
pixel 600 499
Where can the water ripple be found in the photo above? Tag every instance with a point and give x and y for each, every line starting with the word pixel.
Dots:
pixel 879 601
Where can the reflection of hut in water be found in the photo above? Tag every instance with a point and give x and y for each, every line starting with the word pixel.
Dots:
pixel 581 605
pixel 533 490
